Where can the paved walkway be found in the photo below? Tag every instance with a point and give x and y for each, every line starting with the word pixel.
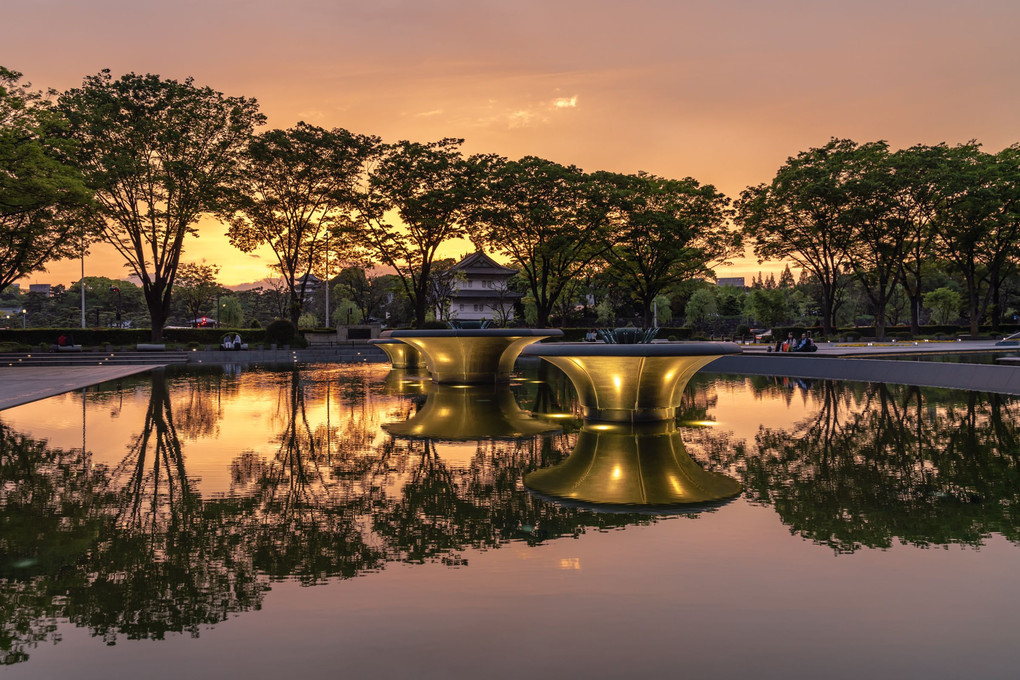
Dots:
pixel 21 385
pixel 999 378
pixel 893 349
pixel 26 384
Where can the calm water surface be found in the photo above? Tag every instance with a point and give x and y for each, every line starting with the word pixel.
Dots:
pixel 350 521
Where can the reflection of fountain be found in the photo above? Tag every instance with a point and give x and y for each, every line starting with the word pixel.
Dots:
pixel 630 383
pixel 401 354
pixel 472 355
pixel 460 413
pixel 627 465
pixel 405 383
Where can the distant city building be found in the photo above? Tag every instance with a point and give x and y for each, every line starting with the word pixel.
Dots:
pixel 39 289
pixel 734 281
pixel 482 291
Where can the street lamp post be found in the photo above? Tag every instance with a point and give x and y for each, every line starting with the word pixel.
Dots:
pixel 327 279
pixel 82 286
pixel 24 319
pixel 115 289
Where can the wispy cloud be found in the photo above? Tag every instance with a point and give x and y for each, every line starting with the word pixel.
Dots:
pixel 520 118
pixel 311 115
pixel 565 102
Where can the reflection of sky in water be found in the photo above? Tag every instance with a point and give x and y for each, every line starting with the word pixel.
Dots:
pixel 756 586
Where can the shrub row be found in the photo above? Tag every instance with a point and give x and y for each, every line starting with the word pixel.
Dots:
pixel 891 332
pixel 93 337
pixel 577 334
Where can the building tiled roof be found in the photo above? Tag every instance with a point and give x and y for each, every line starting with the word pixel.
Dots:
pixel 480 263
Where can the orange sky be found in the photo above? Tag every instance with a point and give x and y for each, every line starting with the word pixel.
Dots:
pixel 719 90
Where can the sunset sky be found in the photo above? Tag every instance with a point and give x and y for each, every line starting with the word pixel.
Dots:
pixel 722 90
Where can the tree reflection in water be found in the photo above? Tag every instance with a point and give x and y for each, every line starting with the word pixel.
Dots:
pixel 129 550
pixel 49 519
pixel 301 521
pixel 880 463
pixel 135 549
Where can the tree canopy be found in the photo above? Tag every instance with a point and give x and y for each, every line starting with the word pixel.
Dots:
pixel 159 154
pixel 428 187
pixel 664 232
pixel 296 185
pixel 800 215
pixel 41 191
pixel 549 219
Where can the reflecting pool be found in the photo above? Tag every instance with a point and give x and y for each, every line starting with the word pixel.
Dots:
pixel 359 521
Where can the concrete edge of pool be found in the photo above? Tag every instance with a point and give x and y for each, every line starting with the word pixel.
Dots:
pixel 1002 379
pixel 24 384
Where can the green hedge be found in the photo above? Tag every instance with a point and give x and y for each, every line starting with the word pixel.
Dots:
pixel 577 334
pixel 898 332
pixel 95 337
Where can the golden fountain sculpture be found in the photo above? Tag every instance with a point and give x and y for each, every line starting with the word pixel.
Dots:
pixel 626 466
pixel 401 354
pixel 630 383
pixel 471 355
pixel 469 412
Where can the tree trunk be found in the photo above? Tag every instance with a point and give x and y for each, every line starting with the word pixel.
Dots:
pixel 419 312
pixel 295 309
pixel 543 312
pixel 975 313
pixel 826 310
pixel 880 321
pixel 995 311
pixel 158 310
pixel 647 310
pixel 915 311
pixel 420 304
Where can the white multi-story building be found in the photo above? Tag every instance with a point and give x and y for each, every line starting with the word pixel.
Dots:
pixel 481 290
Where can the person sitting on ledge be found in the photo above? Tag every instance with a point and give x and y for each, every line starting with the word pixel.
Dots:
pixel 786 345
pixel 806 344
pixel 227 342
pixel 237 342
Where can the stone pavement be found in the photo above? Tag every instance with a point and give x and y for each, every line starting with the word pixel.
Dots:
pixel 1000 378
pixel 880 349
pixel 21 385
pixel 30 383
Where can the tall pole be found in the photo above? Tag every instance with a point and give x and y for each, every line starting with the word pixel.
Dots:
pixel 327 280
pixel 83 279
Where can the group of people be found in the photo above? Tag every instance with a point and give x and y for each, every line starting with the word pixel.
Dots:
pixel 231 343
pixel 792 344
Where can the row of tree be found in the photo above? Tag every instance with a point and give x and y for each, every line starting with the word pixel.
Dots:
pixel 136 161
pixel 887 217
pixel 141 159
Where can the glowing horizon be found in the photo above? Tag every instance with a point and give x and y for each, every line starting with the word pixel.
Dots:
pixel 723 92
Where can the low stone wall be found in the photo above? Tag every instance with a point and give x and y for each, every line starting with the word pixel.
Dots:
pixel 344 354
pixel 981 377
